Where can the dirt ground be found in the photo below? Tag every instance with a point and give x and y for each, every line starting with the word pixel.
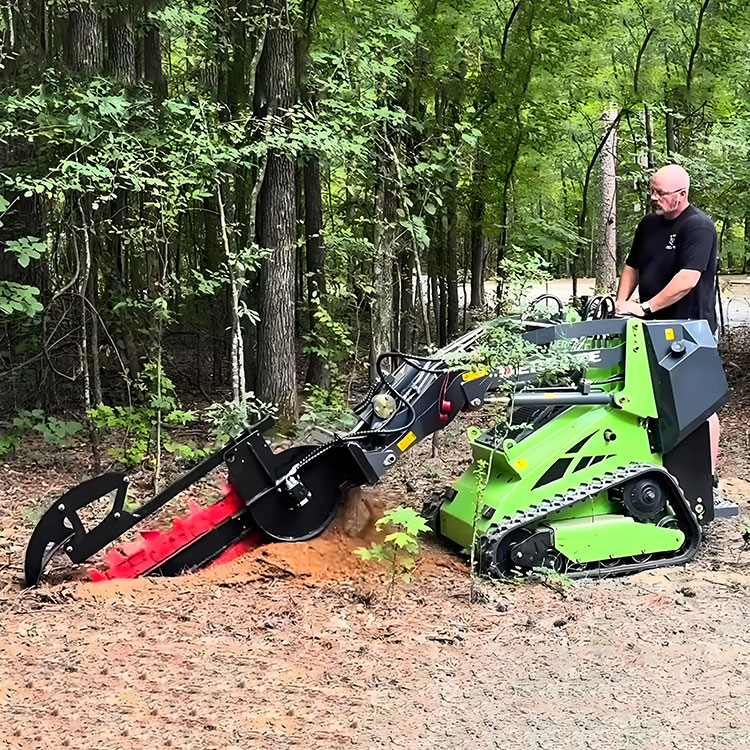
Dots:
pixel 298 646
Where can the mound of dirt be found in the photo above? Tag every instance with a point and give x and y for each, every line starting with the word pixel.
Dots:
pixel 327 559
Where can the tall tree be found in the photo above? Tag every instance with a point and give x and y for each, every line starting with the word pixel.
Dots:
pixel 386 207
pixel 276 368
pixel 85 46
pixel 606 255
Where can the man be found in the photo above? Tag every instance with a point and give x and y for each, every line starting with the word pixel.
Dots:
pixel 673 263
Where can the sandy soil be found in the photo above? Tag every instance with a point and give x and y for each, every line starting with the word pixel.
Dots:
pixel 299 646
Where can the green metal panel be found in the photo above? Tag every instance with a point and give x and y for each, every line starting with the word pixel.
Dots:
pixel 609 536
pixel 637 396
pixel 553 448
pixel 595 506
pixel 580 444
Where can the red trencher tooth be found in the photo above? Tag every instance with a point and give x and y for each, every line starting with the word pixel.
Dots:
pixel 138 558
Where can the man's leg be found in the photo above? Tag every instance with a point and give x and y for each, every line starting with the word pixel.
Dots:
pixel 714 430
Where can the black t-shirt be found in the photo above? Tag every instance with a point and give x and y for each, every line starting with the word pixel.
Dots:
pixel 662 247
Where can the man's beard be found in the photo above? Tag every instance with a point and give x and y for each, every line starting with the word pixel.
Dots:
pixel 661 210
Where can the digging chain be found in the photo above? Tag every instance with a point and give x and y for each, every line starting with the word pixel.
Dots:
pixel 499 531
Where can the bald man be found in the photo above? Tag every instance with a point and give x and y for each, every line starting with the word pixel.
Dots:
pixel 673 262
pixel 673 257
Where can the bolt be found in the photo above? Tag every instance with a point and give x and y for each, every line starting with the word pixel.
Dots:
pixel 389 459
pixel 69 548
pixel 476 402
pixel 117 514
pixel 126 479
pixel 61 506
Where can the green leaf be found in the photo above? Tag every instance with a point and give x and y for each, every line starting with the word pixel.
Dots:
pixel 408 518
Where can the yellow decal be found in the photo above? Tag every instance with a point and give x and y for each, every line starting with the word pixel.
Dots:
pixel 549 395
pixel 669 333
pixel 406 441
pixel 474 375
pixel 521 463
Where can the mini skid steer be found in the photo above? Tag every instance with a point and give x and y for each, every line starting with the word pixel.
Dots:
pixel 608 476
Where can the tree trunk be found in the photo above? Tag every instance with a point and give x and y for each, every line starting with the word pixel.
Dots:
pixel 434 289
pixel 476 219
pixel 606 254
pixel 23 38
pixel 85 39
pixel 727 266
pixel 212 258
pixel 649 125
pixel 276 371
pixel 670 133
pixel 236 287
pixel 440 255
pixel 317 371
pixel 452 264
pixel 386 205
pixel 121 45
pixel 406 300
pixel 152 64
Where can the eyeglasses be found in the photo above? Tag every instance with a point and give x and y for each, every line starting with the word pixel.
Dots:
pixel 662 193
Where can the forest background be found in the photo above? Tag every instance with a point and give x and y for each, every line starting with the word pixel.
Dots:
pixel 230 203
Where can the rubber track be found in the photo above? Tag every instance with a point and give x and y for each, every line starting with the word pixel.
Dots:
pixel 535 514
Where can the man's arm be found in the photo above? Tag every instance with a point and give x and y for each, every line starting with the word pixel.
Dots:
pixel 681 283
pixel 628 283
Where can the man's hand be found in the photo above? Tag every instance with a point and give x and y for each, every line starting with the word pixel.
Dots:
pixel 629 307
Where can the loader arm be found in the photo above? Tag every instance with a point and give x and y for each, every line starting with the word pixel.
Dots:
pixel 291 495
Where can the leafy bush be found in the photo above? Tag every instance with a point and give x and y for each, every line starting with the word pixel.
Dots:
pixel 327 408
pixel 399 550
pixel 140 422
pixel 56 431
pixel 229 419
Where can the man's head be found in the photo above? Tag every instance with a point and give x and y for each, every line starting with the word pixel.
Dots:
pixel 669 191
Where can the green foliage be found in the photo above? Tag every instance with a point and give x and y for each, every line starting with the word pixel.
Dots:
pixel 399 550
pixel 55 431
pixel 138 425
pixel 520 270
pixel 327 408
pixel 331 338
pixel 229 419
pixel 551 578
pixel 157 393
pixel 22 298
pixel 9 441
pixel 26 249
pixel 481 478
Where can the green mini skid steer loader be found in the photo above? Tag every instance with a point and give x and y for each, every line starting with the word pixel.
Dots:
pixel 607 476
pixel 611 477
